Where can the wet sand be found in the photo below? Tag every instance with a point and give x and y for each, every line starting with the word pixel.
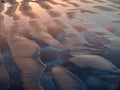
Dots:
pixel 59 45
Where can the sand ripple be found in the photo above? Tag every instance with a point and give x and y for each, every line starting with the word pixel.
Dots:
pixel 59 44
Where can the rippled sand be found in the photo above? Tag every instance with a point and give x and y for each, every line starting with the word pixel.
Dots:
pixel 59 45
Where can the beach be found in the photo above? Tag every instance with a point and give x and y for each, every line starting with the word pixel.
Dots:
pixel 59 44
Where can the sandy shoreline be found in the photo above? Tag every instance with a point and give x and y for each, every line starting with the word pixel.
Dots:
pixel 59 45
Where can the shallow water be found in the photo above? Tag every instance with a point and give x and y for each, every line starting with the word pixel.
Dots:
pixel 57 44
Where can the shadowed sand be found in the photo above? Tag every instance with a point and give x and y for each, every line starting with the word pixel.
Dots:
pixel 59 45
pixel 26 58
pixel 72 36
pixel 94 61
pixel 56 3
pixel 1 19
pixel 11 10
pixel 26 10
pixel 25 53
pixel 4 78
pixel 98 30
pixel 66 80
pixel 104 8
pixel 38 31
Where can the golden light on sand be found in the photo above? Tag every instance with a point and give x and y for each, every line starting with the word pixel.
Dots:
pixel 59 44
pixel 35 8
pixel 19 0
